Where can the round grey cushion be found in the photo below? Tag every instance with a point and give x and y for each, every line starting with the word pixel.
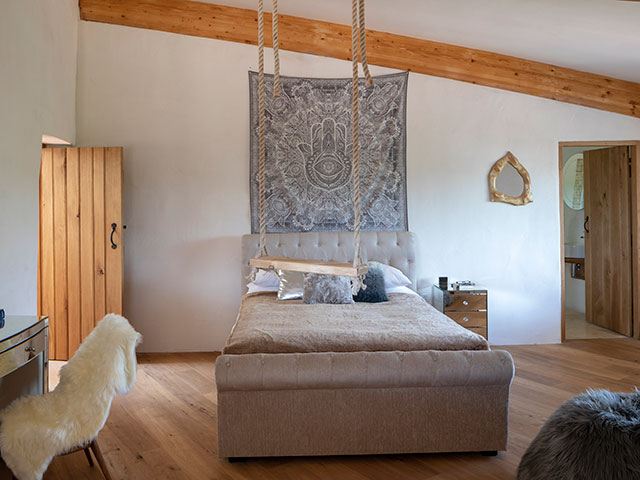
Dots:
pixel 593 436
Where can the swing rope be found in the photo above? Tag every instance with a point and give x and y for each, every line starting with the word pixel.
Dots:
pixel 276 50
pixel 355 118
pixel 262 246
pixel 357 46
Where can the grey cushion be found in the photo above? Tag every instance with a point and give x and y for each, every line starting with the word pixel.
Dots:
pixel 326 289
pixel 375 291
pixel 291 285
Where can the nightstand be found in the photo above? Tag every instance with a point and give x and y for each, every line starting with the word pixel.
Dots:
pixel 466 307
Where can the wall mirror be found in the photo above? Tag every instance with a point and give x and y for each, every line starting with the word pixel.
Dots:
pixel 509 182
pixel 573 182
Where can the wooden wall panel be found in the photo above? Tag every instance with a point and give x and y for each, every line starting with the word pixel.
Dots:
pixel 385 49
pixel 608 249
pixel 86 241
pixel 73 248
pixel 60 252
pixel 113 212
pixel 99 236
pixel 635 237
pixel 46 272
pixel 79 281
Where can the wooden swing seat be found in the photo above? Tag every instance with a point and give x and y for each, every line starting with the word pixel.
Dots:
pixel 308 266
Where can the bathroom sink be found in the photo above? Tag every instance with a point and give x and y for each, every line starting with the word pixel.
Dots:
pixel 573 250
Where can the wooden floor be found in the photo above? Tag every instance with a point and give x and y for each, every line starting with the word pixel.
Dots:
pixel 576 327
pixel 166 427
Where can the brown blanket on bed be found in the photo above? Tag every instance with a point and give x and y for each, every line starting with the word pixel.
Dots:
pixel 406 322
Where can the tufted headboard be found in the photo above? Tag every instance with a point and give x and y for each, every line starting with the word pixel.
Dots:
pixel 393 248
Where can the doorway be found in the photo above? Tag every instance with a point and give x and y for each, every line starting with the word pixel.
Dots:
pixel 599 187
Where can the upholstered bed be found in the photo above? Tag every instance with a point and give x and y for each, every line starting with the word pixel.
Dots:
pixel 369 389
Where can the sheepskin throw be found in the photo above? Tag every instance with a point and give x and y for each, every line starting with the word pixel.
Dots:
pixel 594 436
pixel 308 154
pixel 37 428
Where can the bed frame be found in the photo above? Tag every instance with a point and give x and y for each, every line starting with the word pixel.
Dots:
pixel 361 402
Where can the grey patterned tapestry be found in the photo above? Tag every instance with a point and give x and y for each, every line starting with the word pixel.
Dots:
pixel 308 144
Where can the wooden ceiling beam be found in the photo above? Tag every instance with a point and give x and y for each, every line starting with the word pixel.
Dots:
pixel 384 49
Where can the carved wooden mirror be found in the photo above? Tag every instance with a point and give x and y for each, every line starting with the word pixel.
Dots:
pixel 511 185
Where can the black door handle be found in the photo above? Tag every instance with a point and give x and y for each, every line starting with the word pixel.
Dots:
pixel 586 228
pixel 113 230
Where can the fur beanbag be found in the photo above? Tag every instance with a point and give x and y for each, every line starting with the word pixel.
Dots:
pixel 594 436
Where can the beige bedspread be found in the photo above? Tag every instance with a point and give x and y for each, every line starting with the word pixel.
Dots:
pixel 406 322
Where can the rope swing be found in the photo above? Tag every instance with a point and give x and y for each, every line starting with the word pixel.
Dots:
pixel 358 49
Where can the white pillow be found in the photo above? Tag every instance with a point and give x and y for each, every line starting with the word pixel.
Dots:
pixel 406 290
pixel 265 281
pixel 253 288
pixel 266 278
pixel 393 277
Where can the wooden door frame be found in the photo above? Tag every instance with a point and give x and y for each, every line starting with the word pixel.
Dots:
pixel 635 224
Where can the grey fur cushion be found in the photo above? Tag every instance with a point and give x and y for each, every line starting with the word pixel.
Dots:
pixel 374 291
pixel 326 289
pixel 594 436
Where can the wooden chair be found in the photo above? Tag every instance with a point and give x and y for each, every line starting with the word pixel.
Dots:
pixel 37 428
pixel 92 447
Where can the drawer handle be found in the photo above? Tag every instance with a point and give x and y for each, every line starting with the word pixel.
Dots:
pixel 30 349
pixel 465 302
pixel 465 319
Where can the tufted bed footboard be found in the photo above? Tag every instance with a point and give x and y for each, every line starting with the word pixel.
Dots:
pixel 362 403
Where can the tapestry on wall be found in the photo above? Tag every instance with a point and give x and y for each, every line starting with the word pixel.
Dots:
pixel 308 160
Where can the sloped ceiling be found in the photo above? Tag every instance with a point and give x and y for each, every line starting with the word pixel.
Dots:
pixel 597 36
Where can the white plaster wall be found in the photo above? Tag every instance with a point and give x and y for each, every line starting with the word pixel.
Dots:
pixel 180 107
pixel 38 47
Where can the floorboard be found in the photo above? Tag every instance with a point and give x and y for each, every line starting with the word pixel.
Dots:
pixel 166 427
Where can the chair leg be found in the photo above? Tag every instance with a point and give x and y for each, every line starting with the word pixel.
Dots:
pixel 88 454
pixel 98 454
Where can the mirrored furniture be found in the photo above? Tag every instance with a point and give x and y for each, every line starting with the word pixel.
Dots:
pixel 24 357
pixel 466 307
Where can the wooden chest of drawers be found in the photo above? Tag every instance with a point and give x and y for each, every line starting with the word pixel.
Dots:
pixel 466 307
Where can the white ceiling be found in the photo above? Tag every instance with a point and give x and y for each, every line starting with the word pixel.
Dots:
pixel 598 36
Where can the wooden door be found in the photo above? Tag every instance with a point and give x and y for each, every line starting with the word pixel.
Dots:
pixel 79 267
pixel 607 209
